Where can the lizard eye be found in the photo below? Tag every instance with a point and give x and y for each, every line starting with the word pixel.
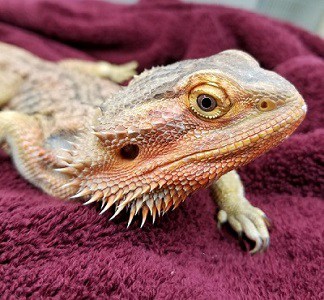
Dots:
pixel 208 101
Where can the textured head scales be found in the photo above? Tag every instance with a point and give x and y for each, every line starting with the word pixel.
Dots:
pixel 152 146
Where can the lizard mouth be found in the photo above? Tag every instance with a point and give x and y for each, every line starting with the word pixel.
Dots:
pixel 162 188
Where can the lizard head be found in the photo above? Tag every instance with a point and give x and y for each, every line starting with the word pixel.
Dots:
pixel 175 129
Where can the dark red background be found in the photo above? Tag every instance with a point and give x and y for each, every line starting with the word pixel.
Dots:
pixel 50 247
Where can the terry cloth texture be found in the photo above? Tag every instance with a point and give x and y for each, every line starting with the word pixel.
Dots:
pixel 64 250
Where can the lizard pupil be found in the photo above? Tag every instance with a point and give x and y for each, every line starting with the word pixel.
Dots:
pixel 206 102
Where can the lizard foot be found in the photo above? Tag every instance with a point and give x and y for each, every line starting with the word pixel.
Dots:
pixel 250 220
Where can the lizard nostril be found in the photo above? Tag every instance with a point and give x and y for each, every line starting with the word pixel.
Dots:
pixel 129 151
pixel 266 105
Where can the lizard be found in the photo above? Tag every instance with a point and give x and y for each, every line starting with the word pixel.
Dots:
pixel 74 132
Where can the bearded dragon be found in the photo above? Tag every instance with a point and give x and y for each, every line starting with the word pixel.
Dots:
pixel 145 147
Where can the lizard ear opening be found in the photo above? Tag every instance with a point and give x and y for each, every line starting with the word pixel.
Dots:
pixel 129 151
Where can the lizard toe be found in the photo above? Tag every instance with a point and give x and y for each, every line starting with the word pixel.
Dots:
pixel 255 229
pixel 251 221
pixel 236 225
pixel 221 218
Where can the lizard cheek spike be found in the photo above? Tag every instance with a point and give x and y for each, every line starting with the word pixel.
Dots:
pixel 144 148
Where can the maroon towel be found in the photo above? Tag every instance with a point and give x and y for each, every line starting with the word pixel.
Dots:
pixel 61 249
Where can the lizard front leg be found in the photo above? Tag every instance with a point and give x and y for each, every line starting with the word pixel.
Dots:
pixel 24 136
pixel 235 209
pixel 116 73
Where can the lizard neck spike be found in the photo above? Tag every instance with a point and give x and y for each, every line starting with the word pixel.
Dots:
pixel 153 204
pixel 131 214
pixel 68 171
pixel 109 203
pixel 96 197
pixel 117 133
pixel 105 136
pixel 83 193
pixel 150 199
pixel 120 132
pixel 153 214
pixel 145 211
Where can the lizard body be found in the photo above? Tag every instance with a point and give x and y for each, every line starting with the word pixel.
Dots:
pixel 147 146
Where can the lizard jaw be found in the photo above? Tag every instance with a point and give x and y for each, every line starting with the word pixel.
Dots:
pixel 151 196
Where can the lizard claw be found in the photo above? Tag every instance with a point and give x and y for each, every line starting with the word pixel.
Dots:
pixel 249 220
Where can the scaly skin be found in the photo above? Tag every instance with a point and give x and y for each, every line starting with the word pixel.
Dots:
pixel 145 147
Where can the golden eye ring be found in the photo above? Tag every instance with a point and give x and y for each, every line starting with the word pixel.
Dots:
pixel 208 101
